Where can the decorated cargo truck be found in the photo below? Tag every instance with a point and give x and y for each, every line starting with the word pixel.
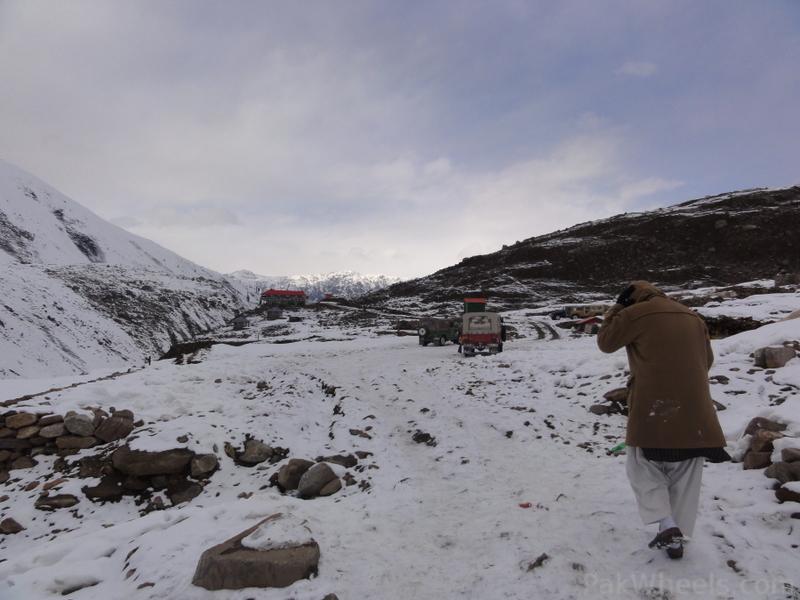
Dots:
pixel 482 332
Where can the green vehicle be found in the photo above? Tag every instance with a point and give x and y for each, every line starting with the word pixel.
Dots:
pixel 438 331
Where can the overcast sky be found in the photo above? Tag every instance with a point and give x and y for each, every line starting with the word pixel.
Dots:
pixel 393 137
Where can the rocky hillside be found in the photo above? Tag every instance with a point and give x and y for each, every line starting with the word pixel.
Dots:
pixel 719 240
pixel 344 284
pixel 82 294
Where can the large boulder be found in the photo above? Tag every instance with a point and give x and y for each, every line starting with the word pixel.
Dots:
pixel 142 463
pixel 203 465
pixel 114 428
pixel 773 357
pixel 314 480
pixel 20 420
pixel 255 452
pixel 289 474
pixel 80 425
pixel 245 560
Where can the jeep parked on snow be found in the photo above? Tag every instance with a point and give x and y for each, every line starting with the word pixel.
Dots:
pixel 438 331
pixel 482 332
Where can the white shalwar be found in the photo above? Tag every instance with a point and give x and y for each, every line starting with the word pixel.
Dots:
pixel 665 489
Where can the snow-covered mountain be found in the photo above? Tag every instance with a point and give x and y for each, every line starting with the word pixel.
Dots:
pixel 343 284
pixel 80 293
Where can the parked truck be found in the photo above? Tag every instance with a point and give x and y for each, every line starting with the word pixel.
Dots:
pixel 438 331
pixel 482 332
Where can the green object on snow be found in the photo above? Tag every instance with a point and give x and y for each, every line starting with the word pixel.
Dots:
pixel 618 449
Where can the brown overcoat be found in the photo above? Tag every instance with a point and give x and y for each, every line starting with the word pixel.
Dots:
pixel 669 353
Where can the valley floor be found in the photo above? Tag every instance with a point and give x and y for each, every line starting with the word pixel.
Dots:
pixel 513 497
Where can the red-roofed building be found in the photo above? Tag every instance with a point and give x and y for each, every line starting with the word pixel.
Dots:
pixel 283 297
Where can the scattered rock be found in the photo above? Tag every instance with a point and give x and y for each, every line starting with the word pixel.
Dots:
pixel 420 437
pixel 20 420
pixel 360 433
pixel 785 495
pixel 619 395
pixel 22 462
pixel 719 406
pixel 314 480
pixel 183 491
pixel 142 463
pixel 114 428
pixel 289 474
pixel 763 423
pixel 757 460
pixel 9 527
pixel 784 472
pixel 773 357
pixel 763 439
pixel 600 409
pixel 203 465
pixel 55 502
pixel 232 566
pixel 108 490
pixel 790 455
pixel 540 560
pixel 724 380
pixel 347 461
pixel 255 452
pixel 80 425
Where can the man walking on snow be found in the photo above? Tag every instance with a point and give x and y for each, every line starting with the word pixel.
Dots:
pixel 672 423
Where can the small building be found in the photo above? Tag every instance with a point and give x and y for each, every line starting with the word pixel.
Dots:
pixel 273 314
pixel 239 322
pixel 272 297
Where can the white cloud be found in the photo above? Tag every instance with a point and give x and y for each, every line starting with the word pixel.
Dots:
pixel 637 69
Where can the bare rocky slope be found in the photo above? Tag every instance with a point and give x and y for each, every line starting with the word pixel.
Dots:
pixel 719 240
pixel 81 294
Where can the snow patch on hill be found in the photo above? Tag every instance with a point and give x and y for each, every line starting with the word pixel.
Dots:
pixel 81 294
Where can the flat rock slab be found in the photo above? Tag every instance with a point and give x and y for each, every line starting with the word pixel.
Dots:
pixel 141 463
pixel 231 566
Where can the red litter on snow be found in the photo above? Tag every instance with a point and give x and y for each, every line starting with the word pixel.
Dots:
pixel 525 504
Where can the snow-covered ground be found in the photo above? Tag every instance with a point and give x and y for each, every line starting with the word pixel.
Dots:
pixel 517 498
